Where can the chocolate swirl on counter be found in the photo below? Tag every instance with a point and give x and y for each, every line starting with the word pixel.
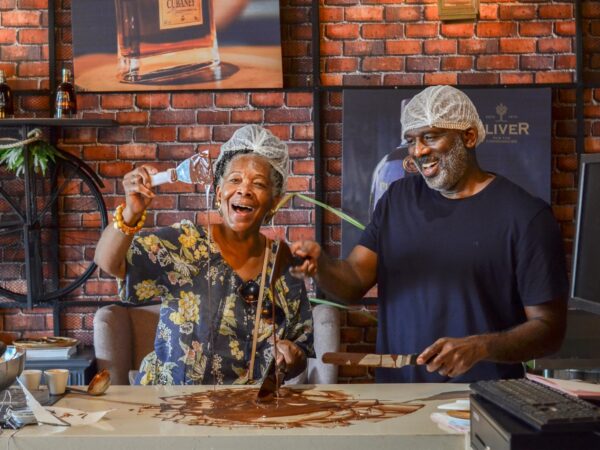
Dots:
pixel 294 408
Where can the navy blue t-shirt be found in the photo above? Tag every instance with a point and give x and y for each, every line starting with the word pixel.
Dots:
pixel 459 267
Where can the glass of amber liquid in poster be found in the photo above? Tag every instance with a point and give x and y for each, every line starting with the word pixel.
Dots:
pixel 163 41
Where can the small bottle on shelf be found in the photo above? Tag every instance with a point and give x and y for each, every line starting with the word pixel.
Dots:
pixel 65 104
pixel 6 99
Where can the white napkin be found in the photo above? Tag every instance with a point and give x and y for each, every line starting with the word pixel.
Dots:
pixel 54 415
pixel 76 417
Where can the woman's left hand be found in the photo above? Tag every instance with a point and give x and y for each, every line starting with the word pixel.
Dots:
pixel 292 356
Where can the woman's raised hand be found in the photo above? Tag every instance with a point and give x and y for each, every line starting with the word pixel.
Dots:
pixel 138 191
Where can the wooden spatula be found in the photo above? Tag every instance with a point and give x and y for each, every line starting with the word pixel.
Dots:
pixel 370 359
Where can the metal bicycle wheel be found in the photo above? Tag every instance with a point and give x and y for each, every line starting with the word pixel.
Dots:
pixel 49 228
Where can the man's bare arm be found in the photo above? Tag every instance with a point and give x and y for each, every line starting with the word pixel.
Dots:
pixel 541 335
pixel 347 280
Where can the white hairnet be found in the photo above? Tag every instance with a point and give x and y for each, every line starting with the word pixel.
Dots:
pixel 256 139
pixel 442 107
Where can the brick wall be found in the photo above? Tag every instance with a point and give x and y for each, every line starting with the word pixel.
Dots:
pixel 591 41
pixel 368 42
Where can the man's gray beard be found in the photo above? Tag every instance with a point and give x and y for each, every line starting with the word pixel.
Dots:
pixel 452 167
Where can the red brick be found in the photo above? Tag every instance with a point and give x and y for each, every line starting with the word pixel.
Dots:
pixel 172 117
pixel 362 79
pixel 341 31
pixel 498 62
pixel 566 28
pixel 131 117
pixel 364 14
pixel 517 12
pixel 329 48
pixel 421 30
pixel 403 13
pixel 254 116
pixel 384 64
pixel 342 64
pixel 499 29
pixel 7 4
pixel 28 36
pixel 440 78
pixel 20 53
pixel 152 101
pixel 20 19
pixel 114 169
pixel 516 78
pixel 192 100
pixel 137 151
pixel 158 134
pixel 535 29
pixel 99 152
pixel 266 99
pixel 371 48
pixel 8 36
pixel 561 45
pixel 418 64
pixel 554 77
pixel 439 47
pixel 34 69
pixel 555 12
pixel 565 62
pixel 299 99
pixel 327 14
pixel 474 47
pixel 516 45
pixel 478 78
pixel 458 30
pixel 287 115
pixel 403 48
pixel 488 12
pixel 33 4
pixel 451 63
pixel 212 117
pixel 231 99
pixel 117 101
pixel 382 31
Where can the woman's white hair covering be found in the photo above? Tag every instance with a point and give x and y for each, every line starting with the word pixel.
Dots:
pixel 442 107
pixel 256 139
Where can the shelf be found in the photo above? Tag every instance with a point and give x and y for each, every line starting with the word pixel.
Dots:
pixel 52 122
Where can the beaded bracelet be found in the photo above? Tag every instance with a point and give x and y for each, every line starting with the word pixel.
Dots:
pixel 120 224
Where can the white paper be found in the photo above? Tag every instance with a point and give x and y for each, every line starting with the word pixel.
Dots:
pixel 76 417
pixel 42 416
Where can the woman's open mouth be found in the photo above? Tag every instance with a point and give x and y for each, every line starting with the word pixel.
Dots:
pixel 242 209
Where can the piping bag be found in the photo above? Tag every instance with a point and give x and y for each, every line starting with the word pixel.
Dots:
pixel 196 169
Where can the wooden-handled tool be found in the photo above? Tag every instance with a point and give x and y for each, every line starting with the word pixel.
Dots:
pixel 370 359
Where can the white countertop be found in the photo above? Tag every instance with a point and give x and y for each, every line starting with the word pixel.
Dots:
pixel 129 427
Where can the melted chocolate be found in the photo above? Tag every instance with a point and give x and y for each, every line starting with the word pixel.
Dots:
pixel 293 408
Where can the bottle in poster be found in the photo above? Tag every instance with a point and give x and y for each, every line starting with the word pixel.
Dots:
pixel 165 40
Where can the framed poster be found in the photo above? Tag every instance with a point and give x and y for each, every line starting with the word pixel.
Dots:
pixel 154 45
pixel 517 145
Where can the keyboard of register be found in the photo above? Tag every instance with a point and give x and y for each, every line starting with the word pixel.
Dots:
pixel 542 407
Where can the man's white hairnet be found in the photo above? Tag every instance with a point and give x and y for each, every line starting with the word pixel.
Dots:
pixel 258 140
pixel 442 107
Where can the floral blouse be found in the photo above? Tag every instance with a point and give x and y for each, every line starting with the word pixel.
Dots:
pixel 205 330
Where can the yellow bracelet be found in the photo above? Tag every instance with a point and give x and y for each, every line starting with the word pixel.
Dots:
pixel 120 224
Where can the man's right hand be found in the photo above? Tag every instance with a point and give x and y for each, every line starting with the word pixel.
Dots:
pixel 138 192
pixel 310 251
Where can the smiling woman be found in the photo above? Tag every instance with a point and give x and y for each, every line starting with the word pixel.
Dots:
pixel 209 333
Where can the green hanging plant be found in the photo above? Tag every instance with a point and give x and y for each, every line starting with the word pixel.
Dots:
pixel 342 215
pixel 41 153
